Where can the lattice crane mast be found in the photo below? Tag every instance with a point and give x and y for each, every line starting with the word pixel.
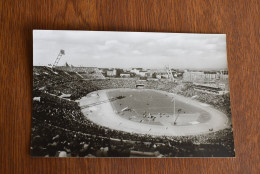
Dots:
pixel 62 52
pixel 169 72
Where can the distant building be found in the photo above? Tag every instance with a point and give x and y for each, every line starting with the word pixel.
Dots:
pixel 143 73
pixel 158 73
pixel 191 76
pixel 136 71
pixel 124 75
pixel 111 73
pixel 211 75
pixel 223 75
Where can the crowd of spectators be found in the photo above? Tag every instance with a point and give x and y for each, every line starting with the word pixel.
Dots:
pixel 220 102
pixel 58 126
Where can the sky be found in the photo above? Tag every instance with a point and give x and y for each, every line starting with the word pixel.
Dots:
pixel 130 49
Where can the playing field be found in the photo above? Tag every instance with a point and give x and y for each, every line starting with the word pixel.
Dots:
pixel 154 107
pixel 147 111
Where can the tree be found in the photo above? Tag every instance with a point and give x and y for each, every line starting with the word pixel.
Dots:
pixel 154 75
pixel 118 72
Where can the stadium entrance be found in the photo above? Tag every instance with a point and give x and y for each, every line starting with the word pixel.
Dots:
pixel 139 86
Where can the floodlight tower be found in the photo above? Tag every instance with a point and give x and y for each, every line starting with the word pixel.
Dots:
pixel 174 111
pixel 173 100
pixel 62 52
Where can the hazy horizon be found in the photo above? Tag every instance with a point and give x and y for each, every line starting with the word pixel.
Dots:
pixel 205 69
pixel 131 49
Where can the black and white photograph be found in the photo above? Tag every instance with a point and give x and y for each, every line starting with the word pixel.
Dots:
pixel 130 94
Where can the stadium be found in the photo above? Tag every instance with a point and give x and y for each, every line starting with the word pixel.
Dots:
pixel 78 112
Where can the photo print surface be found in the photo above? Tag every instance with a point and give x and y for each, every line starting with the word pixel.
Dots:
pixel 130 94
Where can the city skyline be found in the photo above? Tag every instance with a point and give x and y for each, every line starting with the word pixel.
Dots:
pixel 131 49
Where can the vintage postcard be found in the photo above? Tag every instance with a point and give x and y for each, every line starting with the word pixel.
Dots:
pixel 130 94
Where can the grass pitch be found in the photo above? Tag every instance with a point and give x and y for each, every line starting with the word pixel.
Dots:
pixel 152 107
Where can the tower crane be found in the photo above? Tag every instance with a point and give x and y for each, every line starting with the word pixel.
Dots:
pixel 169 72
pixel 62 52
